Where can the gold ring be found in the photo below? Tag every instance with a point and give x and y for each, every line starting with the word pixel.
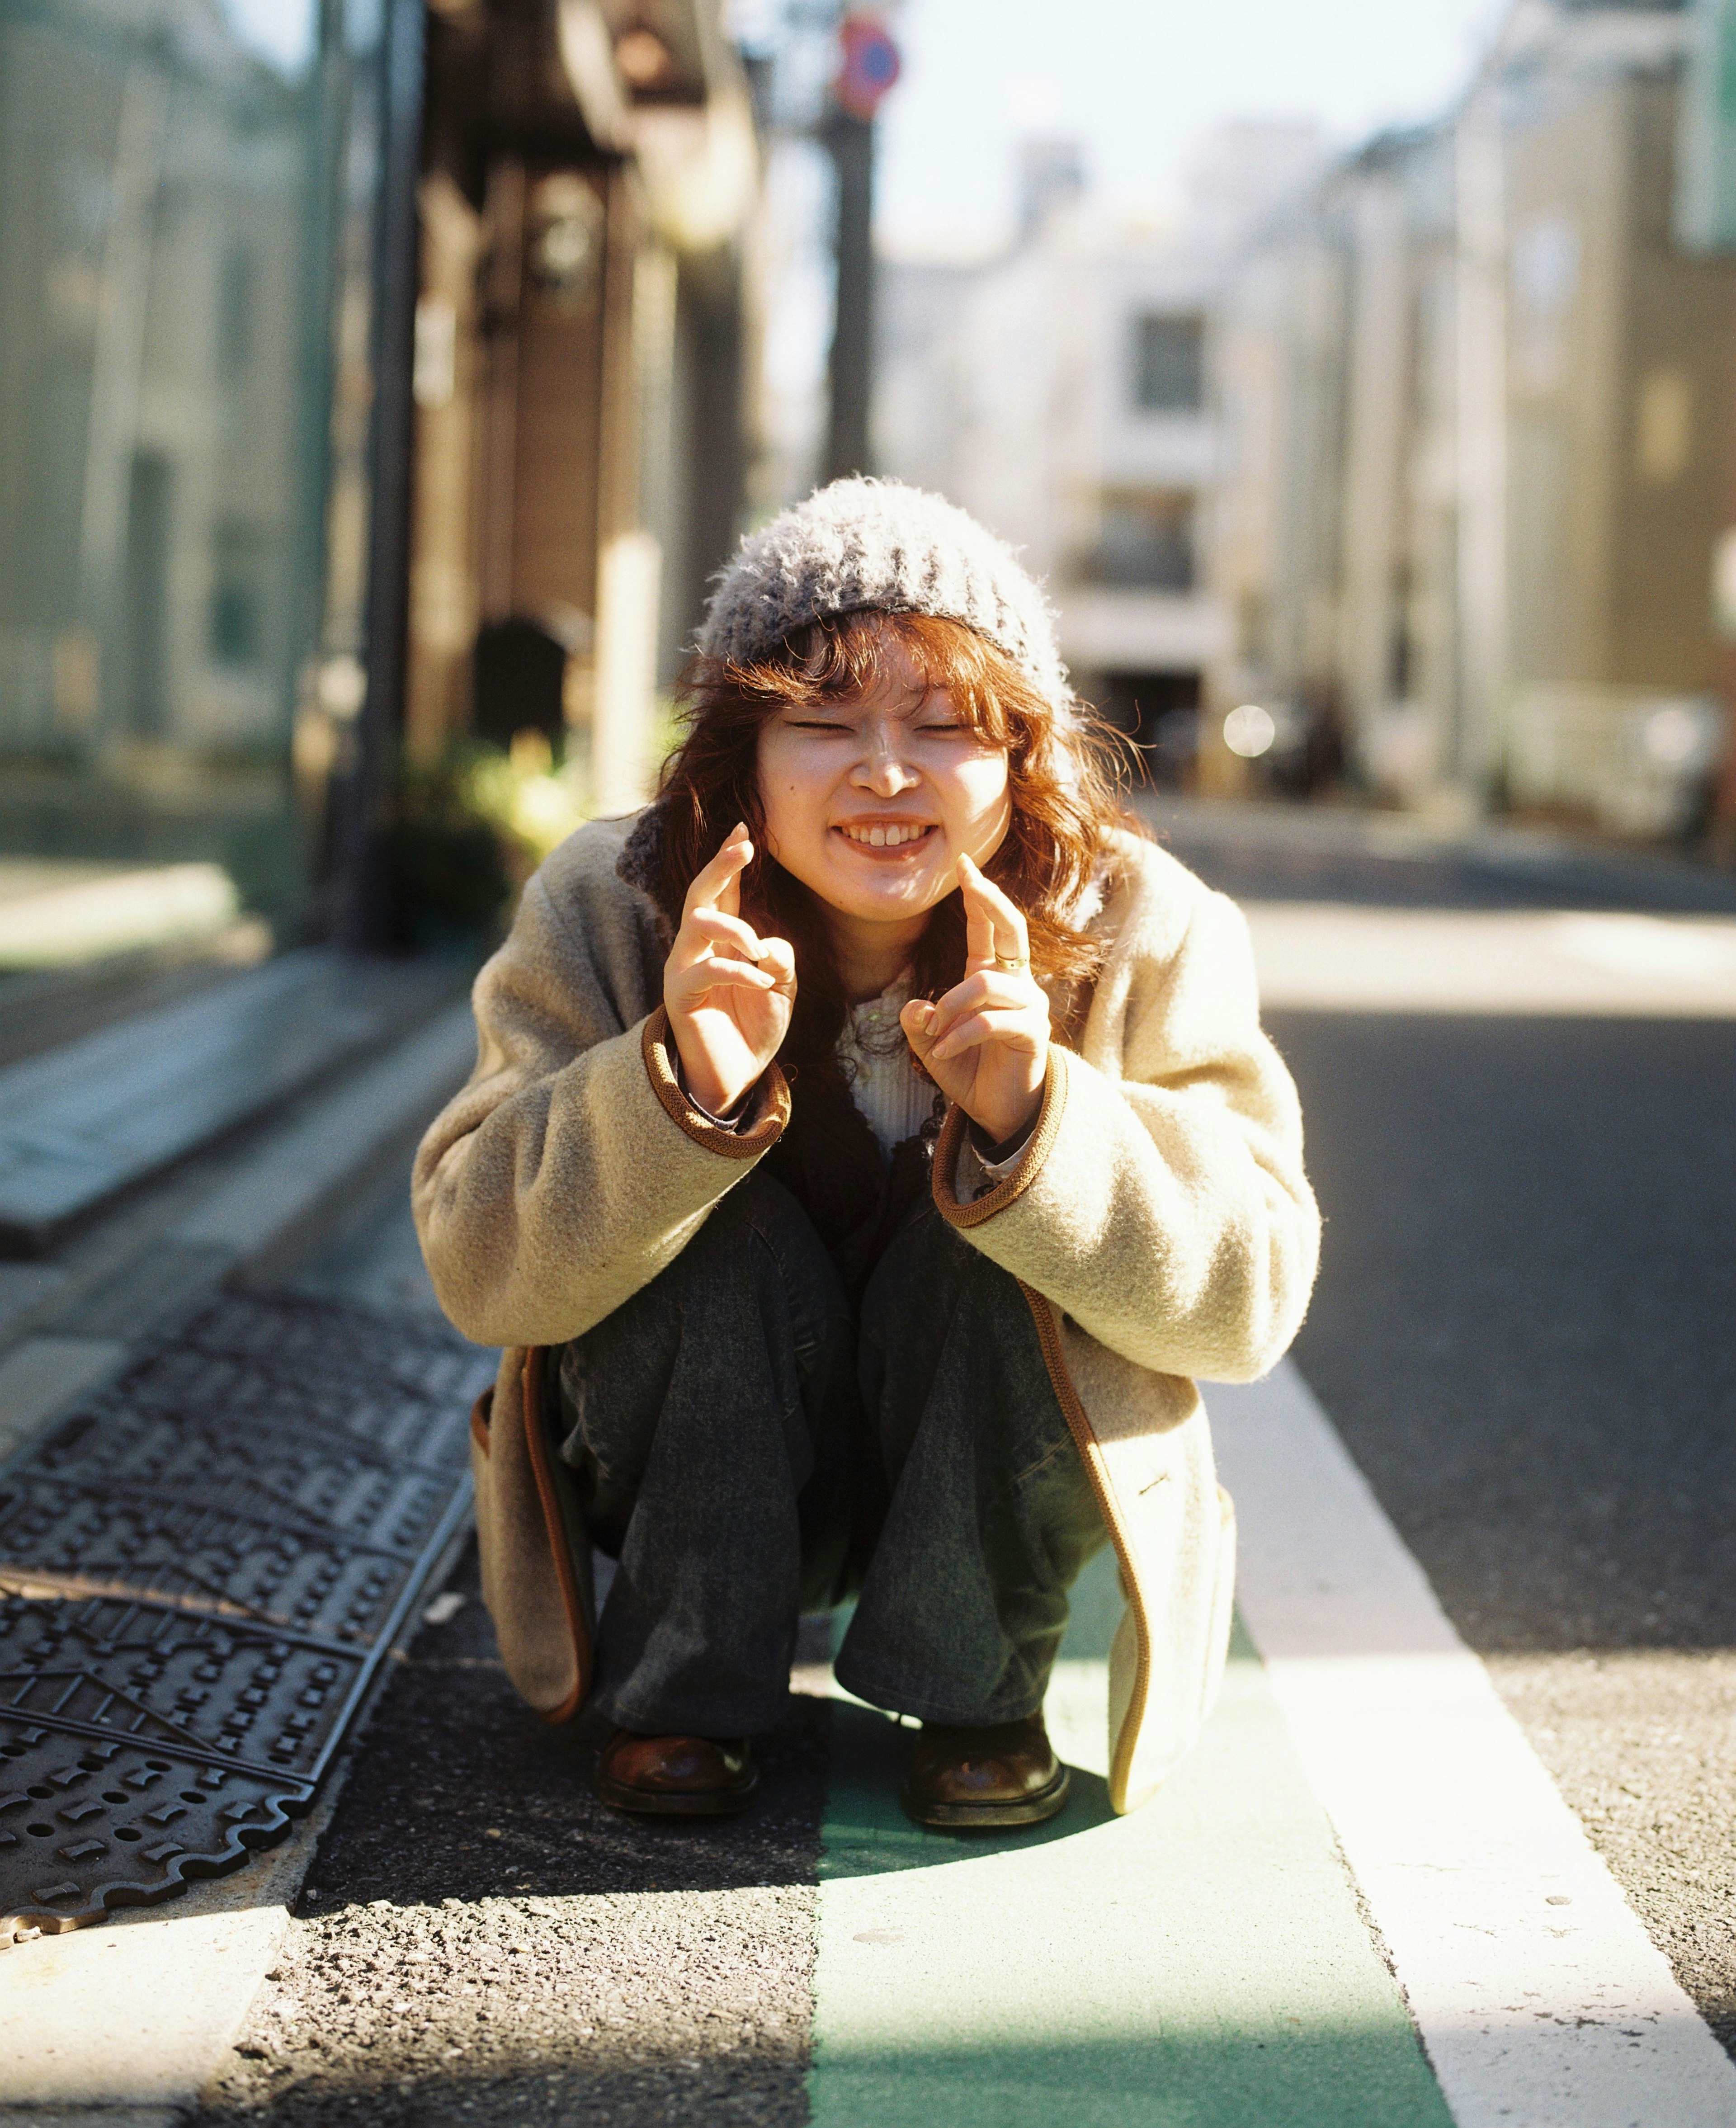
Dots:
pixel 1013 967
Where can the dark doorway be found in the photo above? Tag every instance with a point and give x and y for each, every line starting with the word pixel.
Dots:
pixel 519 673
pixel 1160 712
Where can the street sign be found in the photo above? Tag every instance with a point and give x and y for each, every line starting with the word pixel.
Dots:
pixel 869 66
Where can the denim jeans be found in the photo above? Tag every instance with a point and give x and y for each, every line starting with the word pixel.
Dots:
pixel 749 1447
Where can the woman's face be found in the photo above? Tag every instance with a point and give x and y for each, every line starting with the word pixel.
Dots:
pixel 871 803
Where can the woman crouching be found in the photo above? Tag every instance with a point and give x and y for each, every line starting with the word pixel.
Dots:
pixel 870 1142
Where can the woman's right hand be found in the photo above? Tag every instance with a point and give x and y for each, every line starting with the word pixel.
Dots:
pixel 729 992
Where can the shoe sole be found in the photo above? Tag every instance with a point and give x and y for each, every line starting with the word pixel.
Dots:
pixel 986 1817
pixel 673 1803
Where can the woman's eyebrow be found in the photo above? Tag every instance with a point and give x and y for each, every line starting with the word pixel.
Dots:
pixel 932 704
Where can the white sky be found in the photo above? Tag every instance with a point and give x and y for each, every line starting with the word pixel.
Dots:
pixel 279 30
pixel 1137 81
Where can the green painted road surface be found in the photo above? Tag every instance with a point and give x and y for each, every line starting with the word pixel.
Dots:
pixel 1201 1963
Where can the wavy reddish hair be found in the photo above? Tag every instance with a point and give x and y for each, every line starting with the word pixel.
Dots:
pixel 1065 781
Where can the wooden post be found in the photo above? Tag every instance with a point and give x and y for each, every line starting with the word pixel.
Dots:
pixel 363 898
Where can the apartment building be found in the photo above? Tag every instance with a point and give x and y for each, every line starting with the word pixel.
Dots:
pixel 1062 392
pixel 1475 395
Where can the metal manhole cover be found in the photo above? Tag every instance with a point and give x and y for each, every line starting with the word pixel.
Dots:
pixel 201 1567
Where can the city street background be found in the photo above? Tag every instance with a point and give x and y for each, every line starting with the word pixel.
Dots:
pixel 381 385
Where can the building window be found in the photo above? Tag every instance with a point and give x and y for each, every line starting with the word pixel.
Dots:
pixel 1160 712
pixel 235 281
pixel 149 544
pixel 1169 363
pixel 163 578
pixel 238 596
pixel 1145 541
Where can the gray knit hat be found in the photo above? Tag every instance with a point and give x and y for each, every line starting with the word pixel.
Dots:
pixel 876 543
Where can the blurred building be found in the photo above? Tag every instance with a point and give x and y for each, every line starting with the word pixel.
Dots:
pixel 368 372
pixel 159 514
pixel 1476 399
pixel 589 175
pixel 1061 392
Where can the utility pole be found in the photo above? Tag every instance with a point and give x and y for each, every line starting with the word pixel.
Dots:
pixel 869 66
pixel 850 141
pixel 362 916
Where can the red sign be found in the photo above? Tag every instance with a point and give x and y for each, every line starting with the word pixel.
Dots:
pixel 869 67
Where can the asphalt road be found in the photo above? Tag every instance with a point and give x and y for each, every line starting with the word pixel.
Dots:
pixel 481 1938
pixel 1523 1331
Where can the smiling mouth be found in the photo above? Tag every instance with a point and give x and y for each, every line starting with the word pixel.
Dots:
pixel 887 835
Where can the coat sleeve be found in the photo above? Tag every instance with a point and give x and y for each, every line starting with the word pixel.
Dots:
pixel 1164 1206
pixel 571 1169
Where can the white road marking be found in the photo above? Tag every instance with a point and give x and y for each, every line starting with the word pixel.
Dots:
pixel 1342 956
pixel 1541 1999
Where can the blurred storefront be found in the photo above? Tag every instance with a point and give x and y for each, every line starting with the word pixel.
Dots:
pixel 187 283
pixel 369 372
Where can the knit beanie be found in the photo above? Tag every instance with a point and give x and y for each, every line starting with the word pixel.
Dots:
pixel 863 544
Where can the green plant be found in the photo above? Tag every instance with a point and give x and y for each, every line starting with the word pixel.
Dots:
pixel 469 831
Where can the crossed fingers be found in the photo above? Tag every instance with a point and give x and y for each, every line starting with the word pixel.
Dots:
pixel 998 1000
pixel 715 948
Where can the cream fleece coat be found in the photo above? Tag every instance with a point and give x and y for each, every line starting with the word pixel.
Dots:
pixel 1159 1224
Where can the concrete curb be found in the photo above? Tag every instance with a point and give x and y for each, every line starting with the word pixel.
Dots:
pixel 280 1203
pixel 276 1207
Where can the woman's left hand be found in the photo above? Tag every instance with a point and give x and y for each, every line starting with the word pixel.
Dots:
pixel 986 1043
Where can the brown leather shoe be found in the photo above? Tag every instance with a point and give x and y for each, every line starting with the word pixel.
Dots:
pixel 677 1776
pixel 1005 1775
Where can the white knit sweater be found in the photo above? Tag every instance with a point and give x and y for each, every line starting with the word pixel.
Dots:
pixel 893 1095
pixel 890 1094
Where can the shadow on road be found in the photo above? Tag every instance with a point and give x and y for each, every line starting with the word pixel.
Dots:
pixel 458 1791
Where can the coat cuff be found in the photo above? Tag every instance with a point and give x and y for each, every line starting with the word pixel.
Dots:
pixel 959 1213
pixel 760 1128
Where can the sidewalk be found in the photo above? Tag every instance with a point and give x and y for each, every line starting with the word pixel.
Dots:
pixel 203 1484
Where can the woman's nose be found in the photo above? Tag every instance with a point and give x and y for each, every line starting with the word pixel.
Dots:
pixel 884 771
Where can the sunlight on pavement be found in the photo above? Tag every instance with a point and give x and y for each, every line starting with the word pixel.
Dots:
pixel 174 1991
pixel 1210 1959
pixel 53 914
pixel 1340 956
